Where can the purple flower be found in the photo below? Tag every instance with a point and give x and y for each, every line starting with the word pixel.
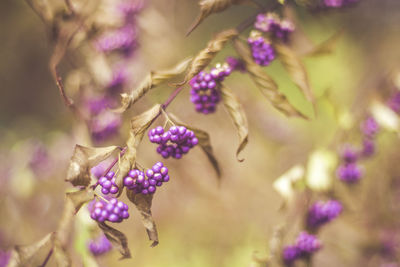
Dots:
pixel 290 254
pixel 307 243
pixel 321 213
pixel 349 173
pixel 370 127
pixel 100 245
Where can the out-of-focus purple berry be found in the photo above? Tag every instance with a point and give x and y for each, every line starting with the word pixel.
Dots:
pixel 349 154
pixel 100 245
pixel 349 173
pixel 308 243
pixel 370 127
pixel 290 254
pixel 323 212
pixel 262 50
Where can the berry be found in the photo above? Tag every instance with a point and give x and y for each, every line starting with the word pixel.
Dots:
pixel 108 184
pixel 349 173
pixel 100 245
pixel 205 88
pixel 290 254
pixel 349 154
pixel 307 243
pixel 236 64
pixel 370 127
pixel 271 23
pixel 147 184
pixel 321 213
pixel 113 211
pixel 368 147
pixel 262 50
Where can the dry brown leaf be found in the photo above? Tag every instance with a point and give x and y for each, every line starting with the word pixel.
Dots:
pixel 139 125
pixel 117 238
pixel 238 116
pixel 22 255
pixel 204 143
pixel 265 83
pixel 208 7
pixel 143 204
pixel 295 68
pixel 205 56
pixel 153 79
pixel 83 159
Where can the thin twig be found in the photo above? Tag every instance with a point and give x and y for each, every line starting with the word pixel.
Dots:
pixel 47 258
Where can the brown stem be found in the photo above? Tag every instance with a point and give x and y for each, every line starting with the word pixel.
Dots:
pixel 47 258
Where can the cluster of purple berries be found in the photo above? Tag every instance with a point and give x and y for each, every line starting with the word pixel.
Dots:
pixel 146 184
pixel 108 184
pixel 100 245
pixel 262 51
pixel 338 3
pixel 236 64
pixel 113 211
pixel 271 23
pixel 321 213
pixel 369 129
pixel 204 93
pixel 306 244
pixel 175 142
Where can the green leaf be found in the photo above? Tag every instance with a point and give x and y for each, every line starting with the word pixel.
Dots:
pixel 238 116
pixel 143 204
pixel 296 69
pixel 204 143
pixel 83 159
pixel 265 83
pixel 117 238
pixel 139 125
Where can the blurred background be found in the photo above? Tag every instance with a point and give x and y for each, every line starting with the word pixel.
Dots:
pixel 203 221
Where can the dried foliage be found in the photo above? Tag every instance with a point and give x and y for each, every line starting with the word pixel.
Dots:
pixel 83 159
pixel 238 116
pixel 204 143
pixel 205 56
pixel 265 83
pixel 295 68
pixel 143 204
pixel 153 79
pixel 139 125
pixel 117 238
pixel 208 7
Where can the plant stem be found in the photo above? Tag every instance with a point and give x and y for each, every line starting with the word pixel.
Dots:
pixel 47 258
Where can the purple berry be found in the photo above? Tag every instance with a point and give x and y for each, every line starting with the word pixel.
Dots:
pixel 321 213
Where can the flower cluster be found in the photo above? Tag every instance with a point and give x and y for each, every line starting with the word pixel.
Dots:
pixel 276 27
pixel 205 88
pixel 305 245
pixel 262 51
pixel 323 212
pixel 146 184
pixel 338 3
pixel 175 142
pixel 100 245
pixel 107 184
pixel 113 210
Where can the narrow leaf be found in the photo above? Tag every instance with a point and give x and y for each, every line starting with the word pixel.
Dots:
pixel 117 238
pixel 83 159
pixel 139 125
pixel 208 7
pixel 265 83
pixel 204 142
pixel 205 56
pixel 22 255
pixel 295 68
pixel 326 47
pixel 238 116
pixel 153 79
pixel 143 204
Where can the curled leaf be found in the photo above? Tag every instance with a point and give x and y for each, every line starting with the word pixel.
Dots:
pixel 153 79
pixel 22 255
pixel 238 116
pixel 208 7
pixel 265 83
pixel 82 160
pixel 204 142
pixel 205 56
pixel 143 204
pixel 117 238
pixel 295 68
pixel 139 125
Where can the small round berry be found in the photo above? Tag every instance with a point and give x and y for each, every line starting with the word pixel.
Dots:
pixel 110 174
pixel 151 189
